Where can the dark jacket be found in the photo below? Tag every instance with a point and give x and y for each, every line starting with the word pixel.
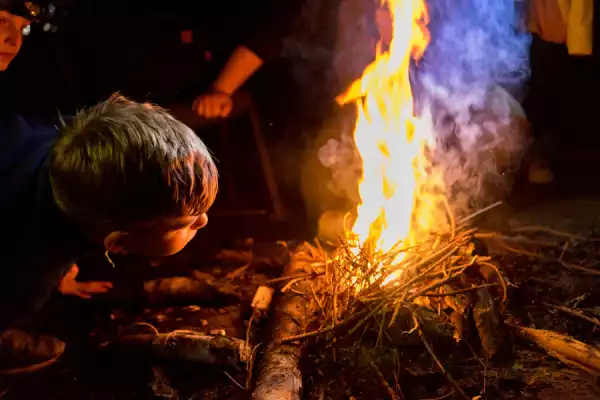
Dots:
pixel 37 242
pixel 266 37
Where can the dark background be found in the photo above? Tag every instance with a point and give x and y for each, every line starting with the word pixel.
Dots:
pixel 135 47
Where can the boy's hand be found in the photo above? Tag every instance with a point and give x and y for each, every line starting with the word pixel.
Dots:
pixel 70 287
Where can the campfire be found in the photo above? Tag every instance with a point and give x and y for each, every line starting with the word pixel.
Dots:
pixel 412 287
pixel 405 247
pixel 405 265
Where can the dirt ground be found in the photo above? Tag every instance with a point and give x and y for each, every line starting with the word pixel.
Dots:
pixel 337 372
pixel 525 371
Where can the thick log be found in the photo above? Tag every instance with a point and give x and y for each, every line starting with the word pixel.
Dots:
pixel 171 291
pixel 279 375
pixel 178 289
pixel 187 346
pixel 568 350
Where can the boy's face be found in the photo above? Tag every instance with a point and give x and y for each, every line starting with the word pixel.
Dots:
pixel 11 37
pixel 163 238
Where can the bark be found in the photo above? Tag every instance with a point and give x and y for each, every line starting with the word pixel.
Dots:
pixel 568 350
pixel 177 290
pixel 187 346
pixel 279 376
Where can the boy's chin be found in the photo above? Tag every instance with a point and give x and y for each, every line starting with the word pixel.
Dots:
pixel 4 65
pixel 160 253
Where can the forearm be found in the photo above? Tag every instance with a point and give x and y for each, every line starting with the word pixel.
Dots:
pixel 242 64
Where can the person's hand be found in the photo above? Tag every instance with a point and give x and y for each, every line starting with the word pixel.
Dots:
pixel 70 287
pixel 213 105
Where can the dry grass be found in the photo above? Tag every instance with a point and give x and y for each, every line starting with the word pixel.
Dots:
pixel 443 275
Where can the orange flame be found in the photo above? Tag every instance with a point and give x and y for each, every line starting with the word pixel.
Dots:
pixel 390 139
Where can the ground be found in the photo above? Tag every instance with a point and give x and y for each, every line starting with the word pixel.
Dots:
pixel 529 373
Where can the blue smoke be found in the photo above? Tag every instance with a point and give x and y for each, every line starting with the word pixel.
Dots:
pixel 468 83
pixel 475 44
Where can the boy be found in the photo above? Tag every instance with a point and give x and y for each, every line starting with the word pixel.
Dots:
pixel 121 175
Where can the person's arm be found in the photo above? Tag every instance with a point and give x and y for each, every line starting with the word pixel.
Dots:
pixel 264 43
pixel 242 64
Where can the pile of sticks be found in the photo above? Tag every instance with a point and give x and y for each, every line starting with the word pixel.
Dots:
pixel 439 287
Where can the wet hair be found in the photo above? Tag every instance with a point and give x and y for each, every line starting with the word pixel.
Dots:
pixel 122 163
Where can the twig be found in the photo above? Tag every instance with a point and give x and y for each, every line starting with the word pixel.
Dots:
pixel 478 213
pixel 144 324
pixel 443 254
pixel 550 231
pixel 459 291
pixel 437 360
pixel 564 264
pixel 234 381
pixel 366 318
pixel 293 277
pixel 500 278
pixel 250 367
pixel 391 392
pixel 314 293
pixel 451 218
pixel 518 239
pixel 329 329
pixel 236 273
pixel 435 285
pixel 573 312
pixel 110 261
pixel 564 250
pixel 580 268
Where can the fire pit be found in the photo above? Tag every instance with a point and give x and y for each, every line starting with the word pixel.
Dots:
pixel 345 293
pixel 411 265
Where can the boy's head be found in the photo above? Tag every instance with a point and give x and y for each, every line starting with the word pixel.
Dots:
pixel 134 176
pixel 15 17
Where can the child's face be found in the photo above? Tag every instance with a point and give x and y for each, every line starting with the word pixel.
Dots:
pixel 11 37
pixel 163 238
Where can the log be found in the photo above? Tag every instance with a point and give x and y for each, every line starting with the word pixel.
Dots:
pixel 218 350
pixel 279 375
pixel 171 291
pixel 178 289
pixel 568 350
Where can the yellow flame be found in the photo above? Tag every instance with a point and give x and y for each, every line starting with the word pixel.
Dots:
pixel 390 139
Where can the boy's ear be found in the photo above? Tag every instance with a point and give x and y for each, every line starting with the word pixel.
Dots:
pixel 113 242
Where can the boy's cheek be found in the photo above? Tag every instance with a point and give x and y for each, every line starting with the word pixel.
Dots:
pixel 162 246
pixel 201 222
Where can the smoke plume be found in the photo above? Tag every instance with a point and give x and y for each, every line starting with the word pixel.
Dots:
pixel 467 88
pixel 469 82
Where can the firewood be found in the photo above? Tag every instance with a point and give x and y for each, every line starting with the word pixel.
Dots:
pixel 279 374
pixel 568 350
pixel 218 350
pixel 178 289
pixel 262 299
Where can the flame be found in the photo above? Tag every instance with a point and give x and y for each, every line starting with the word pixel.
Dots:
pixel 391 139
